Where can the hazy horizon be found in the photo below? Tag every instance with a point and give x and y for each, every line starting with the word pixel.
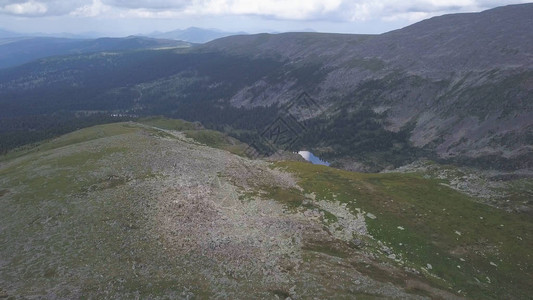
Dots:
pixel 124 18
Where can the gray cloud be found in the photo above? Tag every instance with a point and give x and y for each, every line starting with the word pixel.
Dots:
pixel 36 8
pixel 286 10
pixel 148 4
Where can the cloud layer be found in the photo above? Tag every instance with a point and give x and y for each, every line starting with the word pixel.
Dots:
pixel 331 10
pixel 36 8
pixel 126 17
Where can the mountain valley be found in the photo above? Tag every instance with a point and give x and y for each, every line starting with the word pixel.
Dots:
pixel 425 91
pixel 151 168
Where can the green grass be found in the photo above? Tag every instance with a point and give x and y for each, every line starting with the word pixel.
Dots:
pixel 217 140
pixel 520 191
pixel 169 124
pixel 441 227
pixel 83 135
pixel 207 137
pixel 292 197
pixel 49 178
pixel 196 132
pixel 69 220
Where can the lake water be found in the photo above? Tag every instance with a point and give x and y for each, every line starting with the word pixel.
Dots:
pixel 310 157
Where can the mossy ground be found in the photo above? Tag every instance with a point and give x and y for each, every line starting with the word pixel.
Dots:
pixel 473 249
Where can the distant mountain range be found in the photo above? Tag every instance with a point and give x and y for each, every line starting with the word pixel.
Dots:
pixel 18 50
pixel 194 34
pixel 191 35
pixel 456 88
pixel 83 35
pixel 8 34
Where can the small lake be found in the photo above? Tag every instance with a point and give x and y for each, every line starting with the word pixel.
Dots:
pixel 310 157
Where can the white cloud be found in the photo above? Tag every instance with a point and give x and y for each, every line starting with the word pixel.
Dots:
pixel 332 11
pixel 37 8
pixel 289 10
pixel 409 16
pixel 143 13
pixel 29 8
pixel 149 4
pixel 94 9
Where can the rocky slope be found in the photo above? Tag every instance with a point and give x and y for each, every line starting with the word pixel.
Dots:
pixel 131 210
pixel 126 211
pixel 463 82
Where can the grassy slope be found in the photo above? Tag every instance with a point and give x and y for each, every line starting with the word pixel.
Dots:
pixel 68 220
pixel 478 250
pixel 203 136
pixel 44 191
pixel 84 135
pixel 76 217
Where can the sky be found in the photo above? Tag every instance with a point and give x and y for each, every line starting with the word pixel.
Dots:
pixel 127 17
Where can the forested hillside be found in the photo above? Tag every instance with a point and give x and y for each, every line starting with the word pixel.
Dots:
pixel 455 88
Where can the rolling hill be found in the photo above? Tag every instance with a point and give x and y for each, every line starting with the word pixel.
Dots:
pixel 167 209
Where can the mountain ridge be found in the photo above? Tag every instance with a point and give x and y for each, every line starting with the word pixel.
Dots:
pixel 436 89
pixel 41 47
pixel 453 64
pixel 194 34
